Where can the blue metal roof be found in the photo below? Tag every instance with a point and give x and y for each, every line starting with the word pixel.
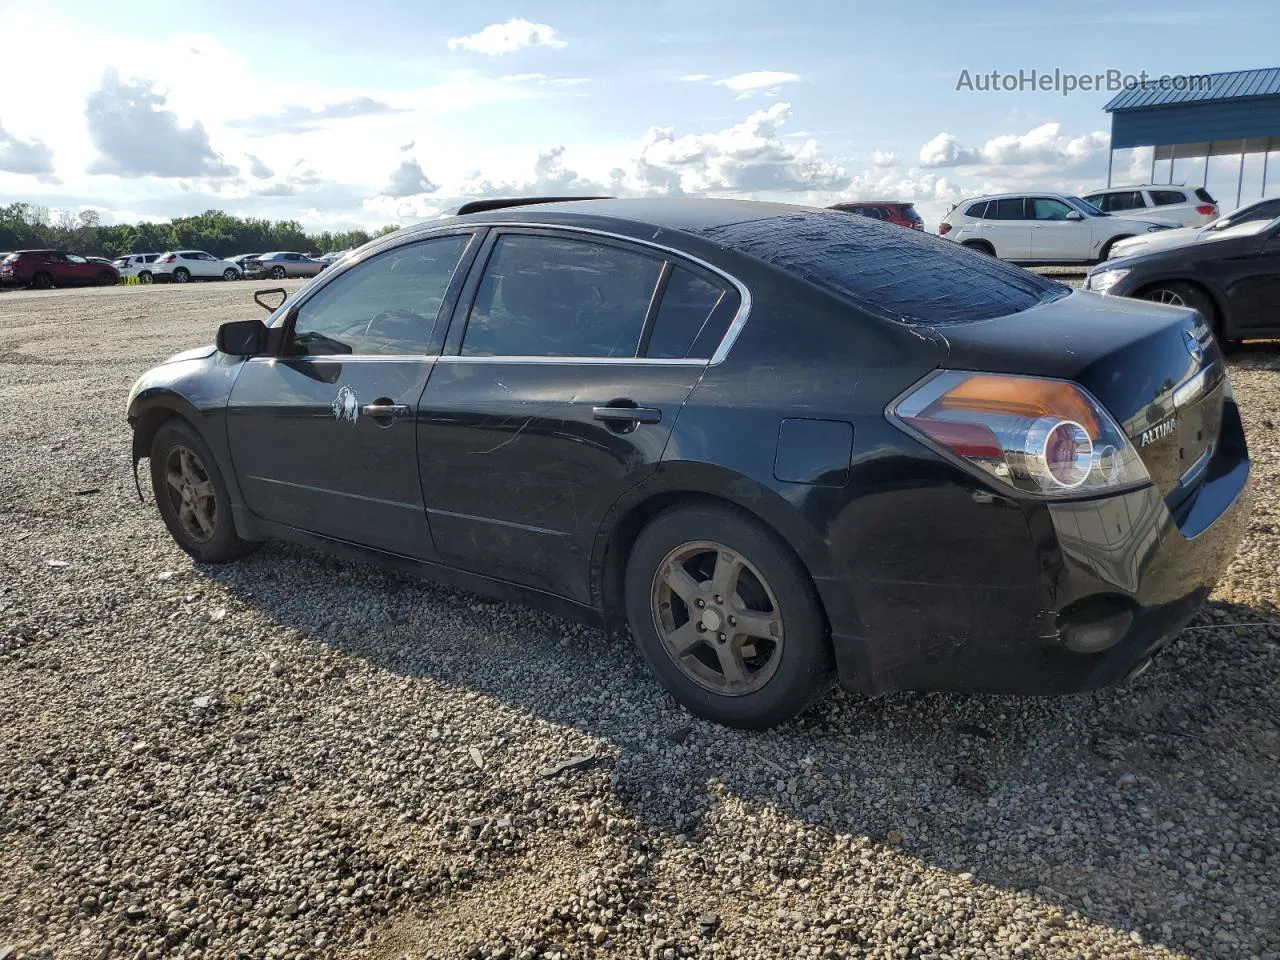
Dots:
pixel 1235 85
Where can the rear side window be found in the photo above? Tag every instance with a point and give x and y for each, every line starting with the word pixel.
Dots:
pixel 546 296
pixel 692 318
pixel 1204 196
pixel 1007 209
pixel 978 210
pixel 901 275
pixel 908 212
pixel 1129 200
pixel 1163 198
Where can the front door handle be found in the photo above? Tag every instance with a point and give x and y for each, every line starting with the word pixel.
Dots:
pixel 627 414
pixel 385 411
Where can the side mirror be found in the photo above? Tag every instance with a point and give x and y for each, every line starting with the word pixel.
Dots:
pixel 242 338
pixel 1075 215
pixel 260 297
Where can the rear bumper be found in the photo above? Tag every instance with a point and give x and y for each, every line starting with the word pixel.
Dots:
pixel 1105 585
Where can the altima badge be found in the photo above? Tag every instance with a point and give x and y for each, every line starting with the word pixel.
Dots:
pixel 345 406
pixel 1158 432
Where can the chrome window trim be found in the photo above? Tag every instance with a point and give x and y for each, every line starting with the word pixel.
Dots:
pixel 453 226
pixel 349 357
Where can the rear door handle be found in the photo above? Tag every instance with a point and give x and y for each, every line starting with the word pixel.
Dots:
pixel 628 414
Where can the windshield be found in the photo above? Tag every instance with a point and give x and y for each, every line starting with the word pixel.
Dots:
pixel 1085 207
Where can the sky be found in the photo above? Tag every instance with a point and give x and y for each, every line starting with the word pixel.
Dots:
pixel 343 115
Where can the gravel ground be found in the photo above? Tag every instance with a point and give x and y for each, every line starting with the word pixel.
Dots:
pixel 299 757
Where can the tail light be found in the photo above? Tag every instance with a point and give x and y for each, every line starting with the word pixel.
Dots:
pixel 943 228
pixel 1206 210
pixel 919 225
pixel 1038 436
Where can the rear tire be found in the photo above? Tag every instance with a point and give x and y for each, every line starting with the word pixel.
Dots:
pixel 42 280
pixel 181 275
pixel 277 273
pixel 145 276
pixel 725 616
pixel 980 246
pixel 192 497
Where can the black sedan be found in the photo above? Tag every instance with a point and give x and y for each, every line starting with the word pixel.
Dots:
pixel 1230 275
pixel 781 444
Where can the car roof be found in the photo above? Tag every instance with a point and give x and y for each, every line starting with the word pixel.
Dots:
pixel 1018 195
pixel 1143 186
pixel 870 203
pixel 41 250
pixel 685 214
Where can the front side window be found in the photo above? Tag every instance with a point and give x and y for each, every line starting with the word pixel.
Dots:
pixel 692 318
pixel 555 297
pixel 1046 208
pixel 72 258
pixel 384 306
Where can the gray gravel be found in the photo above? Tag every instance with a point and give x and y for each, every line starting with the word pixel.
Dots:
pixel 300 757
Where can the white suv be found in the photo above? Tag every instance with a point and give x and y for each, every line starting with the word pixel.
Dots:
pixel 1040 228
pixel 183 265
pixel 1189 207
pixel 136 265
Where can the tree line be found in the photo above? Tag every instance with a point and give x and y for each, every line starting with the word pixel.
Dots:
pixel 25 226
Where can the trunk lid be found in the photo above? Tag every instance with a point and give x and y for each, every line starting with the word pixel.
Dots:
pixel 1157 370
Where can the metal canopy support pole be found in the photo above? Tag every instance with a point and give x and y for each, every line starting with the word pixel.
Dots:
pixel 1240 175
pixel 1172 160
pixel 1153 165
pixel 1265 157
pixel 1111 155
pixel 1207 153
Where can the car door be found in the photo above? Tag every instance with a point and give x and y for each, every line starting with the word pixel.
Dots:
pixel 77 269
pixel 557 391
pixel 1255 289
pixel 1008 229
pixel 322 436
pixel 1053 236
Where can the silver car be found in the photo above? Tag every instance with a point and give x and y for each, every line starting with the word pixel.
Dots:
pixel 280 265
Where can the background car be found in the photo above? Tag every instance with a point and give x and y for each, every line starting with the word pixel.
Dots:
pixel 563 404
pixel 333 256
pixel 1259 210
pixel 280 265
pixel 1185 206
pixel 136 265
pixel 55 268
pixel 1040 228
pixel 239 260
pixel 180 266
pixel 1231 277
pixel 890 211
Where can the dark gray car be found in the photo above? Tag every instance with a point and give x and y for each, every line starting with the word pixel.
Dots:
pixel 282 264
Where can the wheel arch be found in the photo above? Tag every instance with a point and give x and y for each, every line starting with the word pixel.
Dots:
pixel 1218 321
pixel 979 244
pixel 688 484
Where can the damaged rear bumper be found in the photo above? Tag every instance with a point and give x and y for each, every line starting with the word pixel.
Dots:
pixel 1117 578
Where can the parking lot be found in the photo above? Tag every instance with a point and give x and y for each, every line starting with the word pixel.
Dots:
pixel 296 756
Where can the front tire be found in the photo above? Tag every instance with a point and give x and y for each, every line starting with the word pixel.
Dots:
pixel 107 279
pixel 229 274
pixel 181 275
pixel 725 616
pixel 192 497
pixel 1176 293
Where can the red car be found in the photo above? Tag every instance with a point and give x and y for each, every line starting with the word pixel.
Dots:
pixel 43 269
pixel 891 211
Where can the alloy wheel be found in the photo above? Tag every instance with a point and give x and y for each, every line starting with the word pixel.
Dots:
pixel 191 494
pixel 1163 295
pixel 718 619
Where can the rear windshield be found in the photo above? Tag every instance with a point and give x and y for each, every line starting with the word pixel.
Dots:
pixel 1203 195
pixel 900 275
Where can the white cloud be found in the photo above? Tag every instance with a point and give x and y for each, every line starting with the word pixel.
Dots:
pixel 408 180
pixel 1043 145
pixel 32 157
pixel 297 118
pixel 508 37
pixel 696 77
pixel 757 80
pixel 884 158
pixel 259 169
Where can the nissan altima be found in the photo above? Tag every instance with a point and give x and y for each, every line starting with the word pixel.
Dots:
pixel 783 446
